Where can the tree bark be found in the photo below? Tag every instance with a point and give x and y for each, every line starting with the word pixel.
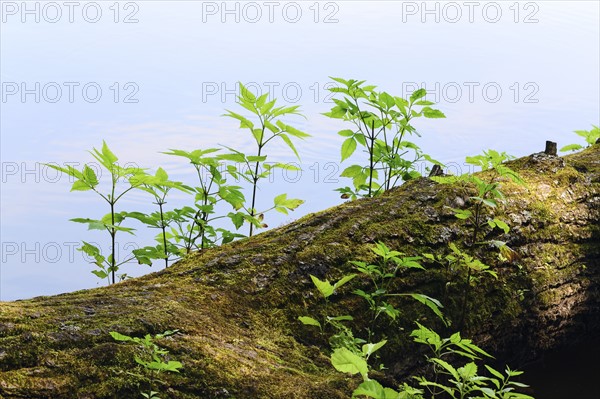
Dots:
pixel 236 306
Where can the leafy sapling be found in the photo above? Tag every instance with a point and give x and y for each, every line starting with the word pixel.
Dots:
pixel 151 357
pixel 381 124
pixel 196 225
pixel 381 274
pixel 267 126
pixel 591 137
pixel 343 336
pixel 464 381
pixel 346 361
pixel 481 214
pixel 157 185
pixel 86 180
pixel 326 289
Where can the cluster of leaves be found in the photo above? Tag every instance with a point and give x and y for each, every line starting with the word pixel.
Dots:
pixel 266 127
pixel 378 299
pixel 591 137
pixel 352 356
pixel 381 274
pixel 381 123
pixel 453 382
pixel 464 381
pixel 151 357
pixel 479 214
pixel 87 180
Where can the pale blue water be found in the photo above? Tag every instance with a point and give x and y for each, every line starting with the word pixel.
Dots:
pixel 533 70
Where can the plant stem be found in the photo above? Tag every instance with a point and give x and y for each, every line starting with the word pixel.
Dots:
pixel 113 234
pixel 468 280
pixel 372 139
pixel 164 232
pixel 255 180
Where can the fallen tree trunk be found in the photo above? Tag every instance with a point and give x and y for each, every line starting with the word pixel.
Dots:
pixel 237 306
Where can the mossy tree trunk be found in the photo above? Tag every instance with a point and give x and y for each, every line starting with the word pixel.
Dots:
pixel 237 306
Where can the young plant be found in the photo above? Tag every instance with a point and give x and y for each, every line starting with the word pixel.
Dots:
pixel 463 382
pixel 347 361
pixel 344 337
pixel 591 137
pixel 86 180
pixel 151 357
pixel 381 123
pixel 266 127
pixel 196 228
pixel 481 214
pixel 381 274
pixel 158 186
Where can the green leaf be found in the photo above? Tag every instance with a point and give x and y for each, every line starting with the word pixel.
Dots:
pixel 447 367
pixel 282 203
pixel 100 274
pixel 348 147
pixel 343 281
pixel 352 171
pixel 258 135
pixel 289 143
pixel 324 287
pixel 80 185
pixel 90 176
pixel 92 223
pixel 502 225
pixel 246 94
pixel 107 153
pixel 571 147
pixel 468 371
pixel 309 321
pixel 432 113
pixel 237 219
pixel 340 318
pixel 294 132
pixel 120 337
pixel 432 304
pixel 371 389
pixel 369 349
pixel 244 122
pixel 417 94
pixel 496 373
pixel 462 213
pixel 347 362
pixel 386 100
pixel 346 133
pixel 339 80
pixel 424 102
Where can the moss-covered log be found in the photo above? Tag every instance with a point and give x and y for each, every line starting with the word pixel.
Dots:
pixel 237 306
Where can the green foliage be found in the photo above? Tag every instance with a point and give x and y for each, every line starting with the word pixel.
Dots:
pixel 266 127
pixel 590 136
pixel 326 288
pixel 381 275
pixel 464 381
pixel 158 186
pixel 450 381
pixel 381 124
pixel 86 180
pixel 151 357
pixel 194 227
pixel 343 336
pixel 479 216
